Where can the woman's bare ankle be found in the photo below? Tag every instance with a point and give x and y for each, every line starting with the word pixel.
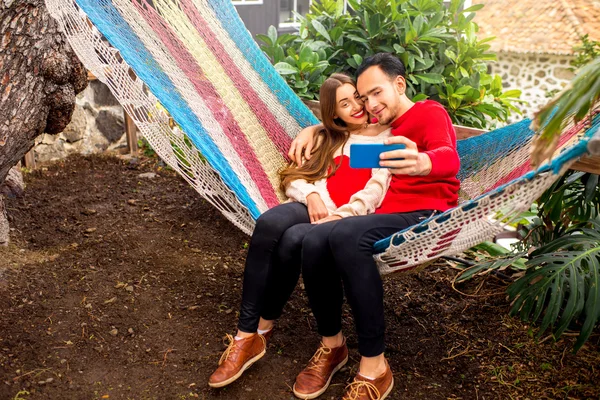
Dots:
pixel 333 341
pixel 244 335
pixel 372 367
pixel 265 324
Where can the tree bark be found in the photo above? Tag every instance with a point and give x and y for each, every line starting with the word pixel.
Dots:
pixel 39 78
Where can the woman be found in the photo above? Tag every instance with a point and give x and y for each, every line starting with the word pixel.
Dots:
pixel 322 189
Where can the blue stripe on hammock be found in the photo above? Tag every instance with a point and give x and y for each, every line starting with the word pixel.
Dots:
pixel 234 26
pixel 479 152
pixel 575 151
pixel 112 25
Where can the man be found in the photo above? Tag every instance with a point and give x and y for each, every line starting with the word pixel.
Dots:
pixel 338 257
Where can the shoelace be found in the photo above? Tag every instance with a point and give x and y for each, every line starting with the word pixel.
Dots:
pixel 353 390
pixel 316 361
pixel 230 347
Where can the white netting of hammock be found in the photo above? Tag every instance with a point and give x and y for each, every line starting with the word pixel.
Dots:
pixel 467 228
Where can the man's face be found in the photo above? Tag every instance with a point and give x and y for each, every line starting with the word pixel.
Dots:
pixel 380 94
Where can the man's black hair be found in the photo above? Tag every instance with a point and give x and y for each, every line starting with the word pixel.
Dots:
pixel 388 63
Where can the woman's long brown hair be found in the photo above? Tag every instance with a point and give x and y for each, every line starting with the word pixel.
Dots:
pixel 333 135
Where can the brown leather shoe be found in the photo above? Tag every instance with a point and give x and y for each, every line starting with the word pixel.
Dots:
pixel 370 389
pixel 314 380
pixel 238 357
pixel 267 335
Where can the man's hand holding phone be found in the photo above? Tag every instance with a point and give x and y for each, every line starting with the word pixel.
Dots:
pixel 412 162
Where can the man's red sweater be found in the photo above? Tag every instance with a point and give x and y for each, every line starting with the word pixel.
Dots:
pixel 428 125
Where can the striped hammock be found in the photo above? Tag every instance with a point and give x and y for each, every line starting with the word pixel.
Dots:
pixel 236 118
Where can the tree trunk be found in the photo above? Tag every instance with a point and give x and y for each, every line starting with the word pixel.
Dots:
pixel 39 78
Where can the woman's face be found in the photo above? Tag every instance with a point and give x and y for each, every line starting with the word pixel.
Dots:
pixel 349 108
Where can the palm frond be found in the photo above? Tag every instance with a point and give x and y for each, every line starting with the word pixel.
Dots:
pixel 510 260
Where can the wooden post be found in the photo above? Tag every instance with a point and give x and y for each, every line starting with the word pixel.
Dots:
pixel 131 133
pixel 589 164
pixel 29 160
pixel 130 128
pixel 464 132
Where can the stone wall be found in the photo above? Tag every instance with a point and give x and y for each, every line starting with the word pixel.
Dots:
pixel 538 76
pixel 97 125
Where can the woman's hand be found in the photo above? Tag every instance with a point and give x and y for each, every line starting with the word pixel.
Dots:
pixel 304 142
pixel 316 207
pixel 328 219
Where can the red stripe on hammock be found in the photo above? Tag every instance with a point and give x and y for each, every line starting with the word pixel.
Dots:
pixel 525 167
pixel 274 130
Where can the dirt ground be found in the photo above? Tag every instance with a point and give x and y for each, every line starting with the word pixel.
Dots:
pixel 117 286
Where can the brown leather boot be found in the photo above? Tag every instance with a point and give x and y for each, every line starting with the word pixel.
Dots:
pixel 370 389
pixel 238 357
pixel 314 380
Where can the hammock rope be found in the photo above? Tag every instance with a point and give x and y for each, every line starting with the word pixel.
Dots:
pixel 236 118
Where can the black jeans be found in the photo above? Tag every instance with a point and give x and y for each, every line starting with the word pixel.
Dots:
pixel 341 253
pixel 273 263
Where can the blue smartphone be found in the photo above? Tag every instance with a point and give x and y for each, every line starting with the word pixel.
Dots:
pixel 366 155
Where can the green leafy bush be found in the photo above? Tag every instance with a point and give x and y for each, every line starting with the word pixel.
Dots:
pixel 304 66
pixel 587 51
pixel 438 45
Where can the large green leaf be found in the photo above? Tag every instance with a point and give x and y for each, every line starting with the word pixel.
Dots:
pixel 430 78
pixel 284 68
pixel 321 29
pixel 357 38
pixel 265 39
pixel 474 8
pixel 339 9
pixel 497 264
pixel 272 33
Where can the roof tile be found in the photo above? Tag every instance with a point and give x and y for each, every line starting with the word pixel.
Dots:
pixel 538 26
